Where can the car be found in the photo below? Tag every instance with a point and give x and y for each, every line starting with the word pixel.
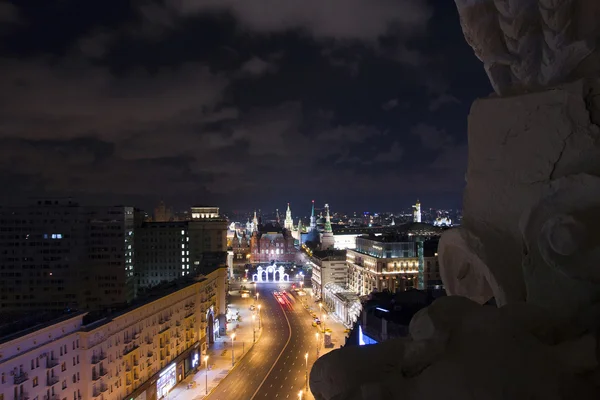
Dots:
pixel 252 307
pixel 318 322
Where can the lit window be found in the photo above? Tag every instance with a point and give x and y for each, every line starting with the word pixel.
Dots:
pixel 183 246
pixel 183 232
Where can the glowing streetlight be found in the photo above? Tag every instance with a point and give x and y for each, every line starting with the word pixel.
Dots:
pixel 232 356
pixel 253 329
pixel 317 337
pixel 206 375
pixel 321 312
pixel 306 359
pixel 300 395
pixel 259 318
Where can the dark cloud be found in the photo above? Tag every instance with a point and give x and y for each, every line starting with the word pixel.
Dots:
pixel 335 19
pixel 256 66
pixel 441 100
pixel 432 138
pixel 206 100
pixel 9 14
pixel 390 104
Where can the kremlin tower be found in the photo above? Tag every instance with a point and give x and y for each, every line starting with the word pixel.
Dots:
pixel 327 239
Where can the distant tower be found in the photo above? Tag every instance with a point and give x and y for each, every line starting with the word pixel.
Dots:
pixel 277 215
pixel 248 226
pixel 417 212
pixel 255 223
pixel 393 222
pixel 289 222
pixel 327 240
pixel 313 219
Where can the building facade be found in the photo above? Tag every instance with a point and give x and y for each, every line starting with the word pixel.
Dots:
pixel 166 251
pixel 139 353
pixel 382 263
pixel 393 263
pixel 328 266
pixel 56 254
pixel 272 243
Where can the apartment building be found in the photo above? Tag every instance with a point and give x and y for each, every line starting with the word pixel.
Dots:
pixel 138 353
pixel 56 254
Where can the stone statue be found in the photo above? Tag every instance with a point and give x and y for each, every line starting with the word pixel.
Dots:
pixel 531 44
pixel 530 234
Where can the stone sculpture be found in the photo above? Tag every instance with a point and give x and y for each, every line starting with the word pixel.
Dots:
pixel 530 233
pixel 532 44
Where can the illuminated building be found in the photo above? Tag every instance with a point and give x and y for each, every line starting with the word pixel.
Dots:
pixel 327 266
pixel 139 352
pixel 394 262
pixel 240 245
pixel 56 255
pixel 272 243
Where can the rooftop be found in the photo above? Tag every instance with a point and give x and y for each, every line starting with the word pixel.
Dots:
pixel 20 325
pixel 329 255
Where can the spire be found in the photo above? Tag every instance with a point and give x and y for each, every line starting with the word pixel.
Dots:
pixel 327 220
pixel 289 222
pixel 277 214
pixel 255 222
pixel 327 240
pixel 417 212
pixel 313 219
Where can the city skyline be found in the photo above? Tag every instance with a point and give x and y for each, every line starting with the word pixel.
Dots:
pixel 136 102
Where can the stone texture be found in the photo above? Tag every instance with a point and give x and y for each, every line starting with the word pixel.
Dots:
pixel 529 239
pixel 517 147
pixel 534 44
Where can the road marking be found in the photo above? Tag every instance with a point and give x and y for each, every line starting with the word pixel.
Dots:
pixel 280 354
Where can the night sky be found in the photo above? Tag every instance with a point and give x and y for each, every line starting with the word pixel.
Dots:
pixel 359 103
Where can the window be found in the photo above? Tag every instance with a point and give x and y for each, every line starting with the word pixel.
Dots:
pixel 35 381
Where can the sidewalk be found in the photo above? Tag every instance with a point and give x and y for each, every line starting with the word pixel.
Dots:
pixel 219 353
pixel 329 322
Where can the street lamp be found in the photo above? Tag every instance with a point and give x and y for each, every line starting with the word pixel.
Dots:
pixel 253 329
pixel 300 395
pixel 259 318
pixel 257 294
pixel 321 312
pixel 206 375
pixel 306 359
pixel 317 336
pixel 232 356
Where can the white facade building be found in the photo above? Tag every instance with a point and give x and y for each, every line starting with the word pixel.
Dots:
pixel 139 353
pixel 328 266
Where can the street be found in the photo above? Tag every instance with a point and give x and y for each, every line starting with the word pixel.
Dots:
pixel 275 368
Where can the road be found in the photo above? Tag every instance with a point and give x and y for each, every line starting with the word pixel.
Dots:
pixel 275 367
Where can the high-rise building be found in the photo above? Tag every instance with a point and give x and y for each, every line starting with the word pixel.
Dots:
pixel 169 250
pixel 56 255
